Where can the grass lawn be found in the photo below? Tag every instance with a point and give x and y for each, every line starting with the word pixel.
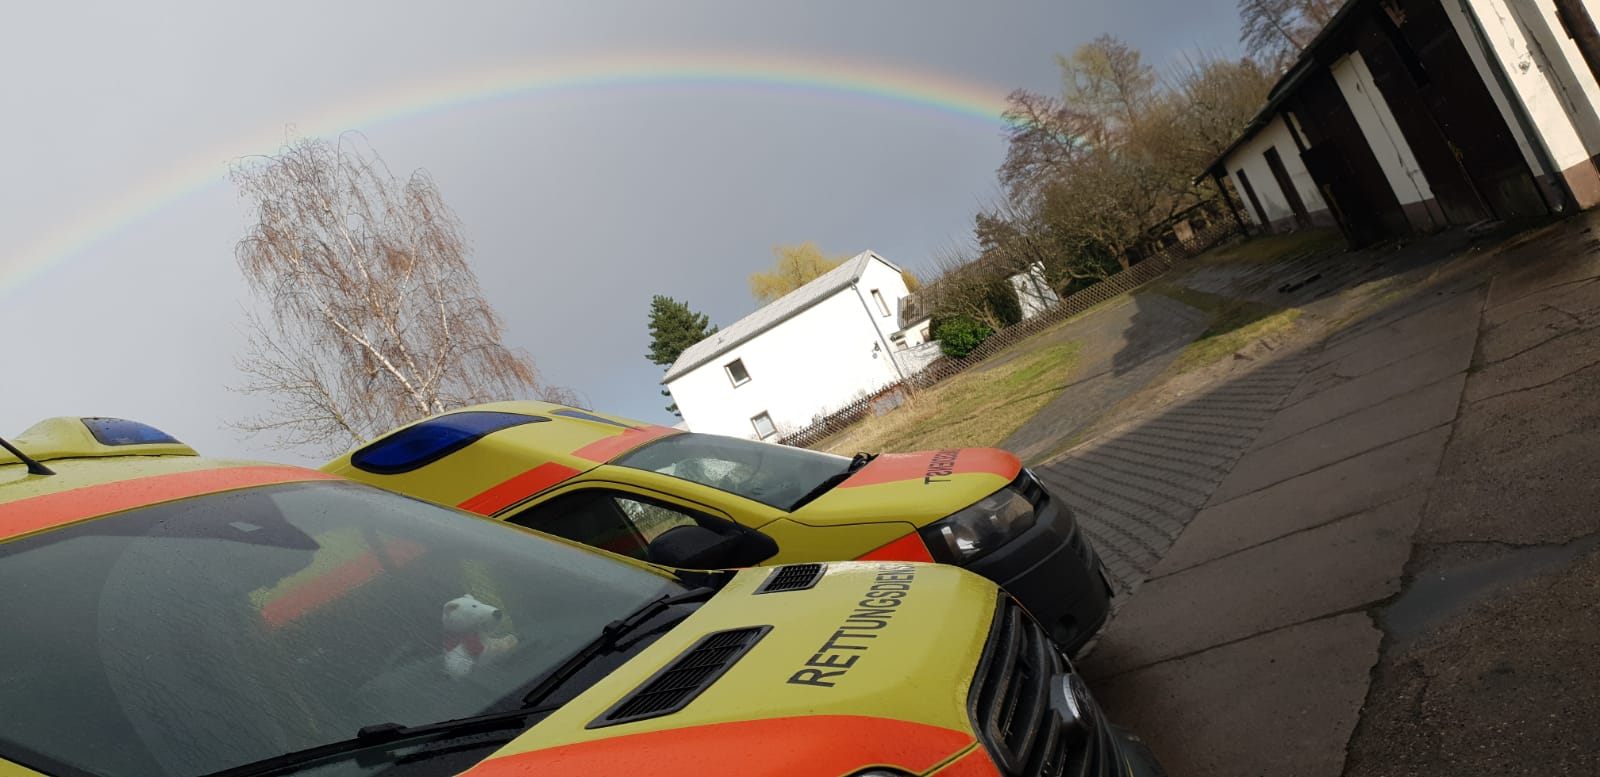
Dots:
pixel 975 409
pixel 1235 323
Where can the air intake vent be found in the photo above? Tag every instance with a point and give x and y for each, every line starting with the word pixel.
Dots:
pixel 679 682
pixel 792 577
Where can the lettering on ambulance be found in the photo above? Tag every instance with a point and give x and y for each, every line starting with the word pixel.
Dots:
pixel 850 642
pixel 941 467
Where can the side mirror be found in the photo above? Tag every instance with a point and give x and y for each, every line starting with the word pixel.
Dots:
pixel 696 547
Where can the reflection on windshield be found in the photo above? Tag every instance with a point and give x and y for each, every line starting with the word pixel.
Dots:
pixel 186 638
pixel 774 475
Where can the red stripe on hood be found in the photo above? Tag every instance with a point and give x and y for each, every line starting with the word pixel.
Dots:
pixel 931 466
pixel 808 746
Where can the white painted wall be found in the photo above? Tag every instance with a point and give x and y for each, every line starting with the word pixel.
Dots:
pixel 1034 295
pixel 1561 101
pixel 1382 132
pixel 917 357
pixel 1251 157
pixel 808 365
pixel 916 333
pixel 884 278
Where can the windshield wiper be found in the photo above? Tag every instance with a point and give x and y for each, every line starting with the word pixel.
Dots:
pixel 608 639
pixel 856 463
pixel 514 721
pixel 392 734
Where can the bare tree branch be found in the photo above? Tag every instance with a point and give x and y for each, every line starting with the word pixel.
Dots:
pixel 376 316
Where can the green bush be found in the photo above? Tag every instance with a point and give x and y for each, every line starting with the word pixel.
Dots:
pixel 958 335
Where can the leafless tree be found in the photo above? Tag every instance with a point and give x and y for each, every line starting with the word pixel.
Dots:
pixel 1107 79
pixel 375 317
pixel 1205 106
pixel 1276 31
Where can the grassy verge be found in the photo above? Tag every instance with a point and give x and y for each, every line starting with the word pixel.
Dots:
pixel 974 409
pixel 1042 337
pixel 1235 323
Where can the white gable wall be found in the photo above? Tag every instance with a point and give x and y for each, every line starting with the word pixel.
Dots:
pixel 1251 157
pixel 808 365
pixel 887 280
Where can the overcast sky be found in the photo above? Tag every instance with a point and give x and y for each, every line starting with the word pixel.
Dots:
pixel 119 293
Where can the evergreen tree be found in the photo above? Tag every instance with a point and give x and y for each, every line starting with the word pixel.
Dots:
pixel 673 328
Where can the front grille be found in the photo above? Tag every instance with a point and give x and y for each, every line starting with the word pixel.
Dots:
pixel 679 682
pixel 1010 706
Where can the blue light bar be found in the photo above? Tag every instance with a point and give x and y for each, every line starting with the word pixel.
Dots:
pixel 119 431
pixel 433 439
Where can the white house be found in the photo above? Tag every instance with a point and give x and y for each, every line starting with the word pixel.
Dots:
pixel 805 355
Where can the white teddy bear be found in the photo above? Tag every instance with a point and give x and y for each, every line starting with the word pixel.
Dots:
pixel 467 641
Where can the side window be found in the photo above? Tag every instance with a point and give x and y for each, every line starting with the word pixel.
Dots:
pixel 764 426
pixel 590 517
pixel 615 521
pixel 652 519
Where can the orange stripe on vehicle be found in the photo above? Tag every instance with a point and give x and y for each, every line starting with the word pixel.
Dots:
pixel 49 511
pixel 608 448
pixel 820 745
pixel 974 764
pixel 518 488
pixel 930 467
pixel 341 579
pixel 907 548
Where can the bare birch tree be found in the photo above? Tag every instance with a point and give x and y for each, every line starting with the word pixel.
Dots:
pixel 375 317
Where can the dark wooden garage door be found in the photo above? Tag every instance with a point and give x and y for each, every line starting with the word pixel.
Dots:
pixel 1343 165
pixel 1400 75
pixel 1465 113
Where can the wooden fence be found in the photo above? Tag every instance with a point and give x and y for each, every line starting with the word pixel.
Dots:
pixel 1156 265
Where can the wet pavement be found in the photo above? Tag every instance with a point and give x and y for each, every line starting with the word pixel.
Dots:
pixel 1373 551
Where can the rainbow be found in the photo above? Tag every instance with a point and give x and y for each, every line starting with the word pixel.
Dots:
pixel 944 95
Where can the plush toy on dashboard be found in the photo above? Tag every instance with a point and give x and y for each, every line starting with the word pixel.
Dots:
pixel 468 626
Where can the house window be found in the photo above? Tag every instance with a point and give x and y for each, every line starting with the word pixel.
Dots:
pixel 764 427
pixel 878 297
pixel 737 373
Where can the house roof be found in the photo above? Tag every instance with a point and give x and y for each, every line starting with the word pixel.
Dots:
pixel 778 311
pixel 1286 86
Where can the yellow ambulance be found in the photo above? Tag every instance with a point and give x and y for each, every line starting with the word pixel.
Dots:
pixel 168 614
pixel 619 484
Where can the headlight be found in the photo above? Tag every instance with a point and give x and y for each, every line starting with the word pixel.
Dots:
pixel 979 529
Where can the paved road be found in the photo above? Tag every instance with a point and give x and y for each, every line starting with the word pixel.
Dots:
pixel 1375 554
pixel 1121 349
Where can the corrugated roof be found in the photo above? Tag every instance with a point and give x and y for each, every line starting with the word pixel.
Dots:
pixel 778 311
